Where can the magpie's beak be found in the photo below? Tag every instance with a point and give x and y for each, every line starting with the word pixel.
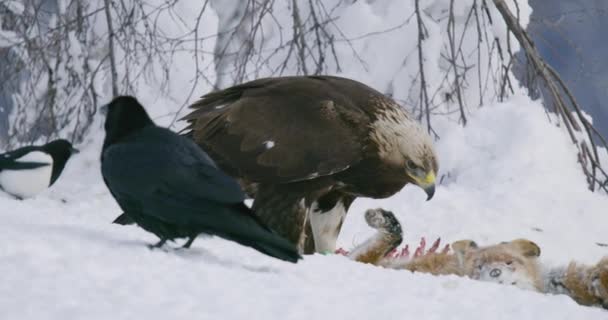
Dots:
pixel 103 109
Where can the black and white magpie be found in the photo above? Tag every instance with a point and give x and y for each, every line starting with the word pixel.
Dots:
pixel 170 187
pixel 27 171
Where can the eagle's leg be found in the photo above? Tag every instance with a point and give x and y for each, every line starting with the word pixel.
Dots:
pixel 309 240
pixel 326 225
pixel 326 216
pixel 285 213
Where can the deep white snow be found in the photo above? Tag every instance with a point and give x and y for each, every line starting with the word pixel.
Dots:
pixel 508 174
pixel 511 175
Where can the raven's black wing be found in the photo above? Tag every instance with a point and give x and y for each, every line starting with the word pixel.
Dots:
pixel 160 174
pixel 8 160
pixel 164 173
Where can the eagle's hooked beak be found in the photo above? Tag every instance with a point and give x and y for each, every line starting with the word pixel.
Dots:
pixel 430 191
pixel 427 184
pixel 422 178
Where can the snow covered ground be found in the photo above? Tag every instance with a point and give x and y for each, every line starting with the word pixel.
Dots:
pixel 508 174
pixel 511 175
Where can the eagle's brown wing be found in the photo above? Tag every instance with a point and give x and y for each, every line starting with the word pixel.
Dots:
pixel 280 130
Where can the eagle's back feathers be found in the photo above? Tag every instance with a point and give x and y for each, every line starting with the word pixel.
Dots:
pixel 283 129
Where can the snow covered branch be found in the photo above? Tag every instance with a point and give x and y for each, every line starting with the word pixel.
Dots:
pixel 252 40
pixel 564 104
pixel 424 97
pixel 66 55
pixel 111 54
pixel 468 46
pixel 442 58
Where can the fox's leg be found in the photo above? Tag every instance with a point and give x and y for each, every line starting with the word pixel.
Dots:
pixel 389 235
pixel 599 282
pixel 587 285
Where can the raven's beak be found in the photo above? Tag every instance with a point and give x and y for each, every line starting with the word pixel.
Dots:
pixel 74 150
pixel 103 109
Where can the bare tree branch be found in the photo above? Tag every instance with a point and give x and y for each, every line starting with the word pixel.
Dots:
pixel 113 73
pixel 424 98
pixel 562 105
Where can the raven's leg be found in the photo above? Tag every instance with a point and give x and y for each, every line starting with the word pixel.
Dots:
pixel 158 244
pixel 189 242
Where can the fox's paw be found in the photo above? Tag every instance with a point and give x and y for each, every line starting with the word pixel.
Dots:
pixel 383 220
pixel 599 282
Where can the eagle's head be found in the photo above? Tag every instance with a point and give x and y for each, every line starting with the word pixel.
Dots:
pixel 421 166
pixel 405 144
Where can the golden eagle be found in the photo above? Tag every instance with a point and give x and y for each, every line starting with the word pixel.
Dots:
pixel 304 147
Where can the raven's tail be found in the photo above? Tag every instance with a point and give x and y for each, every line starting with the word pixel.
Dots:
pixel 123 219
pixel 249 231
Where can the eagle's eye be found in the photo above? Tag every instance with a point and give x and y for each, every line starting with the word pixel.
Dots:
pixel 412 166
pixel 414 169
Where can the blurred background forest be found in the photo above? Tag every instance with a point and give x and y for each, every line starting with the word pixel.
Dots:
pixel 62 59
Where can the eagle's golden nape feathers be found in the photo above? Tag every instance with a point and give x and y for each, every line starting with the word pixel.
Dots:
pixel 320 141
pixel 403 142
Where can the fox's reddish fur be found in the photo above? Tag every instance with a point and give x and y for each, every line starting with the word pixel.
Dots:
pixel 514 262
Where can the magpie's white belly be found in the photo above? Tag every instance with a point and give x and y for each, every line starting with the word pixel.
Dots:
pixel 28 183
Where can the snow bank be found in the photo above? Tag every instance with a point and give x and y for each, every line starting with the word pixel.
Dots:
pixel 508 174
pixel 511 174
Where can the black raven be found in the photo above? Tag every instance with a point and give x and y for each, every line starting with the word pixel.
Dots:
pixel 27 171
pixel 168 186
